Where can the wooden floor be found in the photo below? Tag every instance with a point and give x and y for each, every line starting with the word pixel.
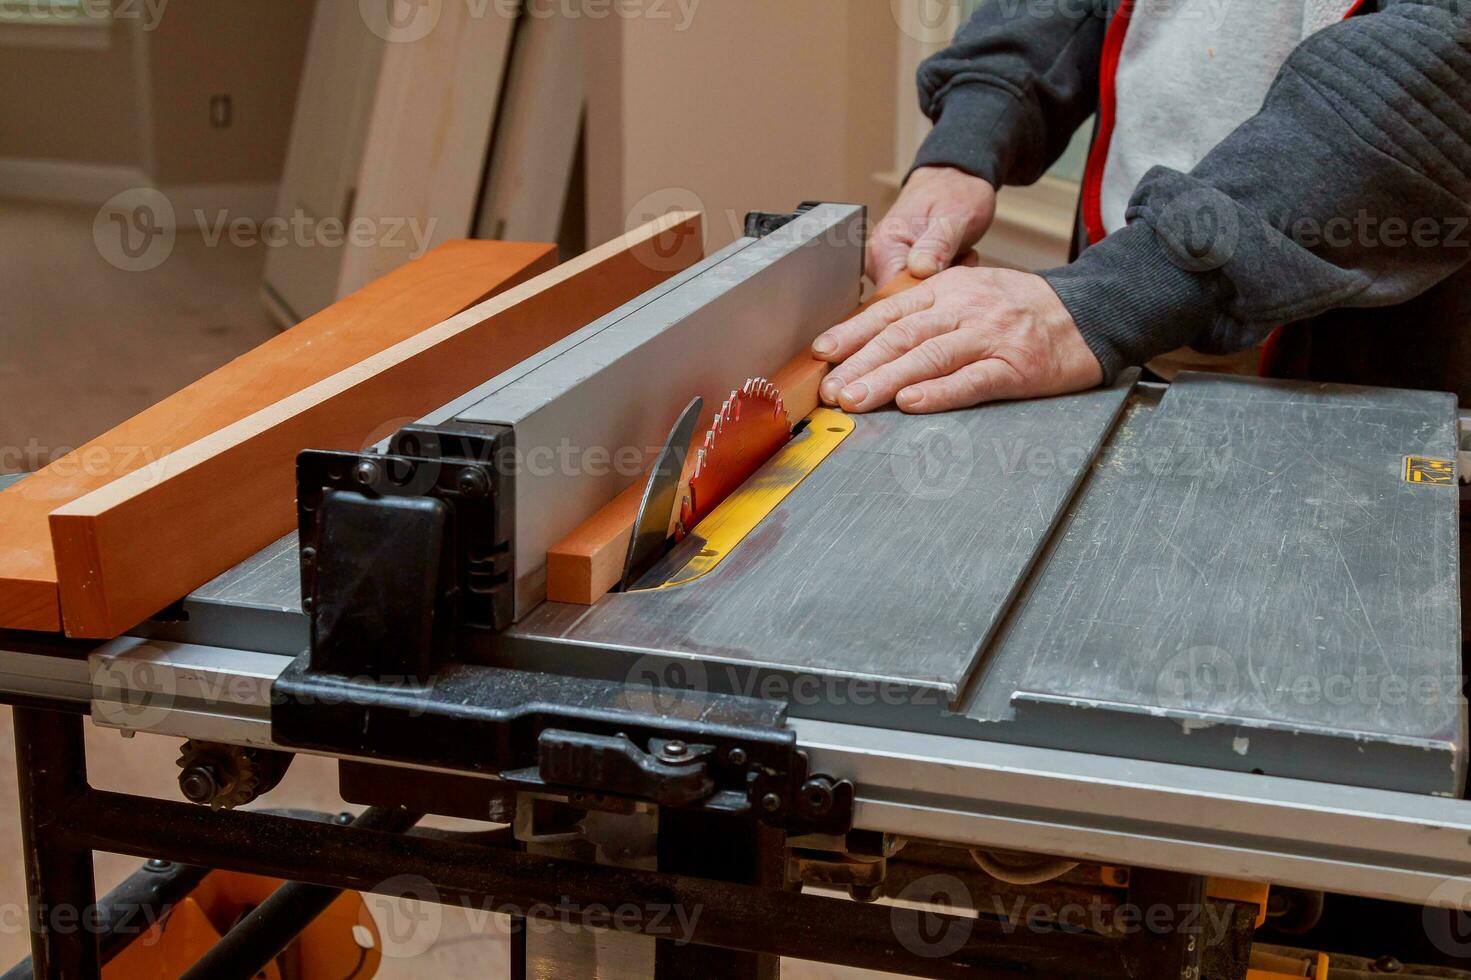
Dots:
pixel 83 346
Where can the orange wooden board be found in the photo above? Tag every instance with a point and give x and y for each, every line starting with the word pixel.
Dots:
pixel 450 278
pixel 585 565
pixel 141 542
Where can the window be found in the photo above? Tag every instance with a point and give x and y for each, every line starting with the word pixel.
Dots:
pixel 1034 225
pixel 1070 167
pixel 56 23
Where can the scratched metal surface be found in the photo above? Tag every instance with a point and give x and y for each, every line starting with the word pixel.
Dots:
pixel 894 560
pixel 1241 564
pixel 1247 577
pixel 269 580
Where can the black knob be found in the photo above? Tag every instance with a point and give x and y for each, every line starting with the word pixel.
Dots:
pixel 199 783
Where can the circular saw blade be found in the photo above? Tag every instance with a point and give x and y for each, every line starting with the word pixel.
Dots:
pixel 750 427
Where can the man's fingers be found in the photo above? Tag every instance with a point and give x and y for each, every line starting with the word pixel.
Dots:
pixel 989 380
pixel 937 246
pixel 886 260
pixel 892 343
pixel 888 248
pixel 937 357
pixel 844 340
pixel 840 342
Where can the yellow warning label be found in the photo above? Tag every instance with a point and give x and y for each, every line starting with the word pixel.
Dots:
pixel 1423 469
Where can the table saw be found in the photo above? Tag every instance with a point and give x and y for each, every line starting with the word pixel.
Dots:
pixel 1204 630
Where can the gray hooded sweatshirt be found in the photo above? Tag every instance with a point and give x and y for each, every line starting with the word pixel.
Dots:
pixel 1340 205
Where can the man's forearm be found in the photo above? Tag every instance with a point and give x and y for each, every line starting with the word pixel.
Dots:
pixel 1345 191
pixel 1007 97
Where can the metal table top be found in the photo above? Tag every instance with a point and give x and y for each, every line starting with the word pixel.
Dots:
pixel 893 562
pixel 1244 580
pixel 1249 578
pixel 1235 575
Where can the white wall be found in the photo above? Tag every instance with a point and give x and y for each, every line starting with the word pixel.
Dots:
pixel 747 105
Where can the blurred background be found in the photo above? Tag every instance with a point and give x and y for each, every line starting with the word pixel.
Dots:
pixel 180 180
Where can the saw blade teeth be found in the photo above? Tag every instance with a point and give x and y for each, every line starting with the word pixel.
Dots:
pixel 739 440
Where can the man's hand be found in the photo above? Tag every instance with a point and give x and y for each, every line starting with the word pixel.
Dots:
pixel 964 337
pixel 940 214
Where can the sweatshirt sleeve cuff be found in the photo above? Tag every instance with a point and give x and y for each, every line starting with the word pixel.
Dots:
pixel 1132 301
pixel 976 126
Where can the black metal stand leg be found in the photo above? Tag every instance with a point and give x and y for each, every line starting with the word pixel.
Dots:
pixel 126 913
pixel 1171 943
pixel 517 969
pixel 51 763
pixel 721 848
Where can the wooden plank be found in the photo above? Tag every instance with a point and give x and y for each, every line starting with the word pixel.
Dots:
pixel 435 108
pixel 127 550
pixel 586 564
pixel 448 279
pixel 329 134
pixel 536 135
